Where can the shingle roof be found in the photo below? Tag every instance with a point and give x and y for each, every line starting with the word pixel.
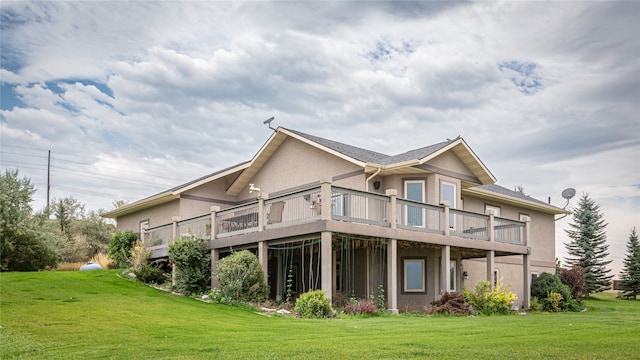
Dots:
pixel 354 152
pixel 365 155
pixel 504 191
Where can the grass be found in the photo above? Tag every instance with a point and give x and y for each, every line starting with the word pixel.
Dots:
pixel 99 315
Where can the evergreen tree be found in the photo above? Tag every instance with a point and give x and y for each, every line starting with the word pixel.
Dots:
pixel 587 248
pixel 630 275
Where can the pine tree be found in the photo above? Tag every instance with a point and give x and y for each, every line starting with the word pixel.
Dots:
pixel 630 275
pixel 587 248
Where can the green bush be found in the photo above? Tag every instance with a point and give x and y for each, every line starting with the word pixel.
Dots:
pixel 489 302
pixel 241 278
pixel 120 248
pixel 546 284
pixel 191 261
pixel 553 302
pixel 313 305
pixel 150 274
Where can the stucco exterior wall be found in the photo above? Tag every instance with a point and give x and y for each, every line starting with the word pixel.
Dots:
pixel 296 163
pixel 450 162
pixel 157 215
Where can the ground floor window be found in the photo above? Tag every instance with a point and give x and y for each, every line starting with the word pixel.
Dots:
pixel 414 275
pixel 452 276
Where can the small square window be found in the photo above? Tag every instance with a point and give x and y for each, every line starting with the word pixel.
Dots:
pixel 414 275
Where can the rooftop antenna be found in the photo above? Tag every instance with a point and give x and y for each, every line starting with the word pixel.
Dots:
pixel 268 122
pixel 567 194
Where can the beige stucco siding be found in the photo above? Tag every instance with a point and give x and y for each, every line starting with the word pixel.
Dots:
pixel 296 163
pixel 450 162
pixel 158 215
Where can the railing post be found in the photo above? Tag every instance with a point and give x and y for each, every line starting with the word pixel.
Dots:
pixel 143 233
pixel 490 230
pixel 392 212
pixel 325 196
pixel 527 229
pixel 214 212
pixel 444 224
pixel 262 213
pixel 174 229
pixel 215 254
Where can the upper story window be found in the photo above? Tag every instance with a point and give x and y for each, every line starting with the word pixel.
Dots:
pixel 414 190
pixel 496 209
pixel 448 193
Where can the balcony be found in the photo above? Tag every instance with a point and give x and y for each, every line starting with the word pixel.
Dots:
pixel 348 210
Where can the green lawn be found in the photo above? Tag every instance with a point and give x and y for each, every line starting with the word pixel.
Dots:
pixel 98 315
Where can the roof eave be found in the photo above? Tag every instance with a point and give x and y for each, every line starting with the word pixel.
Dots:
pixel 549 209
pixel 141 205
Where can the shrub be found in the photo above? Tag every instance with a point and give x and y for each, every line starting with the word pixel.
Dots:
pixel 451 303
pixel 489 302
pixel 553 302
pixel 313 305
pixel 192 265
pixel 575 279
pixel 546 284
pixel 360 307
pixel 120 248
pixel 241 278
pixel 150 274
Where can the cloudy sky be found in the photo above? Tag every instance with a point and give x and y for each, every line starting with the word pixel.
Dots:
pixel 133 98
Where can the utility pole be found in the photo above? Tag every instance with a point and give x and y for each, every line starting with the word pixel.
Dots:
pixel 48 180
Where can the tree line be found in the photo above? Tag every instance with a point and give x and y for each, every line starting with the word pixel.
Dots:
pixel 62 232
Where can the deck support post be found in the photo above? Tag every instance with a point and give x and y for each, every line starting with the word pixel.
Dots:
pixel 526 264
pixel 392 276
pixel 263 259
pixel 326 264
pixel 526 281
pixel 215 257
pixel 491 254
pixel 174 234
pixel 445 271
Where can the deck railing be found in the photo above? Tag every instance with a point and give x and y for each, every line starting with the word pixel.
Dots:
pixel 414 215
pixel 346 205
pixel 199 227
pixel 158 236
pixel 358 206
pixel 508 231
pixel 294 208
pixel 237 220
pixel 468 224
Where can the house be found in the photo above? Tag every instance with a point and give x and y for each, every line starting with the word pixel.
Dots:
pixel 321 214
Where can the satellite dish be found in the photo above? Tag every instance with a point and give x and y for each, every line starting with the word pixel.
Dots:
pixel 568 193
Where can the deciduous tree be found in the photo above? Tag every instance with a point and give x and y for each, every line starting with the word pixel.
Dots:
pixel 22 246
